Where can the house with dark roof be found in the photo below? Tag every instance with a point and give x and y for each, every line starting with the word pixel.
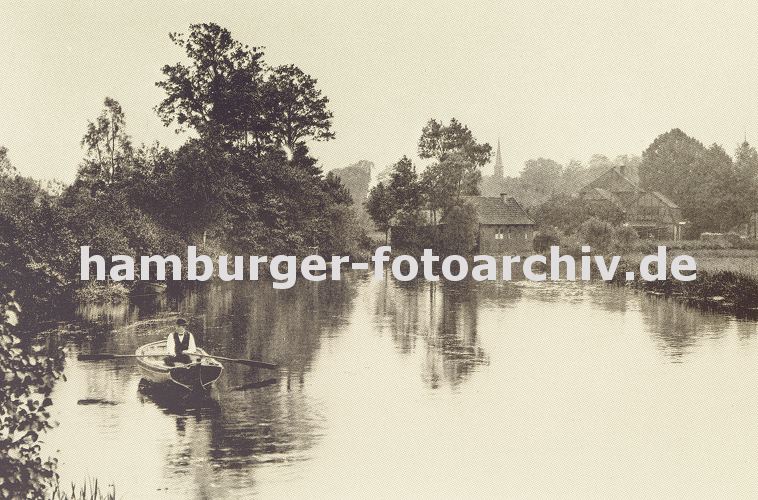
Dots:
pixel 504 226
pixel 650 213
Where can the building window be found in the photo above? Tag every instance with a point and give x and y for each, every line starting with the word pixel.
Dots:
pixel 498 234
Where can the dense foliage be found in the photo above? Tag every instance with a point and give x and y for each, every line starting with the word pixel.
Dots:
pixel 228 93
pixel 38 247
pixel 715 192
pixel 419 204
pixel 569 212
pixel 29 373
pixel 246 183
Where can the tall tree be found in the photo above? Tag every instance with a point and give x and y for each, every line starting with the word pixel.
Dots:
pixel 542 176
pixel 573 177
pixel 673 164
pixel 729 197
pixel 380 206
pixel 746 161
pixel 439 141
pixel 295 109
pixel 457 170
pixel 405 189
pixel 445 182
pixel 218 92
pixel 108 148
pixel 357 179
pixel 704 182
pixel 338 191
pixel 6 167
pixel 459 233
pixel 746 164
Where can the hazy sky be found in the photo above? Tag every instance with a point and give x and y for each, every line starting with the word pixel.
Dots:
pixel 555 79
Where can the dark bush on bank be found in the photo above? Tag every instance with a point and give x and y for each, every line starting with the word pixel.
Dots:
pixel 727 289
pixel 546 238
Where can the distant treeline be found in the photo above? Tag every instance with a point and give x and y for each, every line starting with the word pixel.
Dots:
pixel 715 191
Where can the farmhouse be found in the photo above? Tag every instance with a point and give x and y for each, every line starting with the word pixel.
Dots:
pixel 504 226
pixel 650 213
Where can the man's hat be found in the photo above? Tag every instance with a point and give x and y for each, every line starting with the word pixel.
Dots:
pixel 181 322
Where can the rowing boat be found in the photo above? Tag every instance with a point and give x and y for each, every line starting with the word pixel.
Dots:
pixel 197 375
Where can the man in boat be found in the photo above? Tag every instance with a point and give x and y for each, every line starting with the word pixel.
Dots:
pixel 180 343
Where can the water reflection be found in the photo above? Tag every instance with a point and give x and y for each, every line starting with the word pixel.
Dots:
pixel 679 328
pixel 253 417
pixel 442 317
pixel 453 388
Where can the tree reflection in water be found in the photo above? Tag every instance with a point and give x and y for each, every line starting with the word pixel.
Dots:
pixel 678 328
pixel 416 347
pixel 441 318
pixel 253 417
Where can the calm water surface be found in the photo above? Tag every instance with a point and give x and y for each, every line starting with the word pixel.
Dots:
pixel 394 389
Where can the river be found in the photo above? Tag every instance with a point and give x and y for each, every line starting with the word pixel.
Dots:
pixel 420 389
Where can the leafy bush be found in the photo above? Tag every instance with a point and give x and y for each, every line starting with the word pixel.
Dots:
pixel 569 213
pixel 596 233
pixel 458 234
pixel 546 238
pixel 571 244
pixel 733 289
pixel 102 292
pixel 647 247
pixel 28 378
pixel 37 246
pixel 734 239
pixel 624 239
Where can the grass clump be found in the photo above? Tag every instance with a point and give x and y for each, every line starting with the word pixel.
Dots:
pixel 89 490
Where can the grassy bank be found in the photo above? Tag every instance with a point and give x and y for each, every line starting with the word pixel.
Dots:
pixel 742 261
pixel 727 278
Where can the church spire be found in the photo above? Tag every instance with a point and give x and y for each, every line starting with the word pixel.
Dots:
pixel 498 162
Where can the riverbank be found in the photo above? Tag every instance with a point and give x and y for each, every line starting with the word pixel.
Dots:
pixel 727 279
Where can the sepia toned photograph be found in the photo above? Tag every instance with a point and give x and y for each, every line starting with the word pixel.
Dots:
pixel 339 250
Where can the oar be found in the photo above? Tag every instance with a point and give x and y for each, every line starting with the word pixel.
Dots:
pixel 100 357
pixel 248 362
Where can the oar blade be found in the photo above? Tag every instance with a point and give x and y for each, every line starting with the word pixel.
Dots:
pixel 95 357
pixel 258 364
pixel 247 362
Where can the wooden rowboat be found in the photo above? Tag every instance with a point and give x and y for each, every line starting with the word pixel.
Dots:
pixel 197 375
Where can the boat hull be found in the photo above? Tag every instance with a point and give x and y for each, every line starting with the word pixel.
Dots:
pixel 198 375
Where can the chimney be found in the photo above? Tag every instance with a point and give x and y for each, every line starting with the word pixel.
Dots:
pixel 622 170
pixel 504 197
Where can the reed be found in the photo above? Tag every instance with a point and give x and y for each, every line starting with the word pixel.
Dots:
pixel 89 490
